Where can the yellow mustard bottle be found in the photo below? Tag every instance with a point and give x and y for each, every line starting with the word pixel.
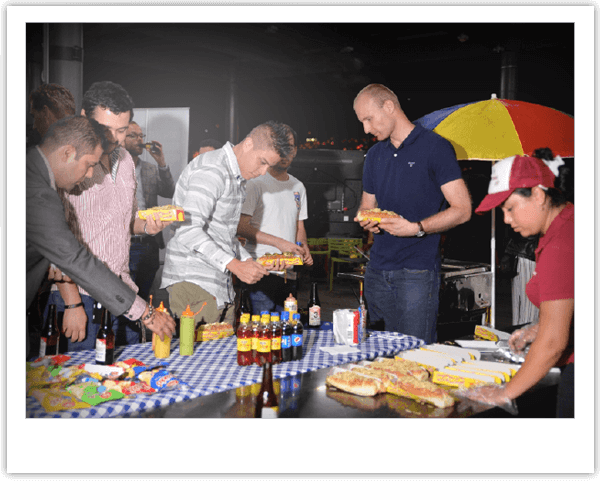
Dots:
pixel 162 348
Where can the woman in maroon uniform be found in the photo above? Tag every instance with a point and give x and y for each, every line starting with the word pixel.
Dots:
pixel 533 201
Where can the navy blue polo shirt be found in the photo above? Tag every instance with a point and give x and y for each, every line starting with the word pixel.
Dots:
pixel 408 181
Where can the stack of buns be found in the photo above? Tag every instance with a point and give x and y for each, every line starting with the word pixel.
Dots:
pixel 404 378
pixel 212 331
pixel 424 375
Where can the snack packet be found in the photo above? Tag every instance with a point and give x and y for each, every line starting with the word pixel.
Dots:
pixel 95 395
pixel 161 380
pixel 57 399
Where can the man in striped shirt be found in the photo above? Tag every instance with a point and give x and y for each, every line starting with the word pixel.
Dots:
pixel 204 251
pixel 102 213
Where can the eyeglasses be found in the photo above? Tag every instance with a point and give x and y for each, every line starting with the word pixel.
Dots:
pixel 135 136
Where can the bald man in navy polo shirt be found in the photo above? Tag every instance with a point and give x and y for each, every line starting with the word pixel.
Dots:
pixel 413 172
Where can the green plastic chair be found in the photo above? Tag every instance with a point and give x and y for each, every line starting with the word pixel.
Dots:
pixel 320 246
pixel 343 251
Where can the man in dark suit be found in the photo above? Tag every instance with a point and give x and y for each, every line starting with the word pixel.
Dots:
pixel 65 158
pixel 152 181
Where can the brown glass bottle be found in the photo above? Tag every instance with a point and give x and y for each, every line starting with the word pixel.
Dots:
pixel 243 307
pixel 105 340
pixel 50 335
pixel 314 308
pixel 266 402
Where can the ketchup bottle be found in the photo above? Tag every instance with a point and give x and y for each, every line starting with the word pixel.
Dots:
pixel 244 342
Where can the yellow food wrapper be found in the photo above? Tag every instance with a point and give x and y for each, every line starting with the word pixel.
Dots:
pixel 41 378
pixel 165 213
pixel 57 400
pixel 162 348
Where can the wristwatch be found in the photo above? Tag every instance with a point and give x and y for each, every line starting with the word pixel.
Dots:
pixel 421 232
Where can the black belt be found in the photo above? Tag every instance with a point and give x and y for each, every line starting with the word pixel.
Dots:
pixel 139 238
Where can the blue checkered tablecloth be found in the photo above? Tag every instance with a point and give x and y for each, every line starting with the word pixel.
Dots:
pixel 213 368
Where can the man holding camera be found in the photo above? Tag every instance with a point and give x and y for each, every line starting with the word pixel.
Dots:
pixel 152 181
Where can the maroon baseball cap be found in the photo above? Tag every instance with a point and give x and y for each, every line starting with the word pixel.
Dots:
pixel 512 173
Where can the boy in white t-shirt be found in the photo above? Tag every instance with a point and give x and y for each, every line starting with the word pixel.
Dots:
pixel 272 221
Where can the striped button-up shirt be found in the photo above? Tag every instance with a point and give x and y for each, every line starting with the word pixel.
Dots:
pixel 101 213
pixel 211 190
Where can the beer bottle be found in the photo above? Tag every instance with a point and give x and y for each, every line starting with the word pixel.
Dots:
pixel 105 340
pixel 243 307
pixel 244 342
pixel 314 307
pixel 266 402
pixel 276 335
pixel 264 339
pixel 50 335
pixel 286 337
pixel 297 338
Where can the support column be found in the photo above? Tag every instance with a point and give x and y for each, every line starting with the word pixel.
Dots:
pixel 232 111
pixel 65 58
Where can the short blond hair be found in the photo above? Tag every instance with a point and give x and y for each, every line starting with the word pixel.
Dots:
pixel 379 93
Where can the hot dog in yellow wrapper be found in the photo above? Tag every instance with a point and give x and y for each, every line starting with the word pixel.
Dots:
pixel 165 213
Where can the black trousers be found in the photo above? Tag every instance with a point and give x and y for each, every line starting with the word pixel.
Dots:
pixel 565 399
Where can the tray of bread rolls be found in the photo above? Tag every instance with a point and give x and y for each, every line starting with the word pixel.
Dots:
pixel 428 375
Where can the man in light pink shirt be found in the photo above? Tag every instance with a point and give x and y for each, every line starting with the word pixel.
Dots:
pixel 102 213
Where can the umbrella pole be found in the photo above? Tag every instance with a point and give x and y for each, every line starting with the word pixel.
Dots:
pixel 493 264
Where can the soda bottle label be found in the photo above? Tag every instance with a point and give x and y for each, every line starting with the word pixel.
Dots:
pixel 100 350
pixel 276 343
pixel 296 339
pixel 264 345
pixel 244 345
pixel 314 316
pixel 286 342
pixel 254 343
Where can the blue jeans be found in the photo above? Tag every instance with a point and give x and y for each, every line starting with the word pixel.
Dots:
pixel 143 264
pixel 126 331
pixel 406 300
pixel 270 293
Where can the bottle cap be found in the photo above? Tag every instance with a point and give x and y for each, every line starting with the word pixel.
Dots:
pixel 188 312
pixel 285 315
pixel 245 318
pixel 296 316
pixel 265 318
pixel 255 317
pixel 274 317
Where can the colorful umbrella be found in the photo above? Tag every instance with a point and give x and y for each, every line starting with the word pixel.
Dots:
pixel 499 128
